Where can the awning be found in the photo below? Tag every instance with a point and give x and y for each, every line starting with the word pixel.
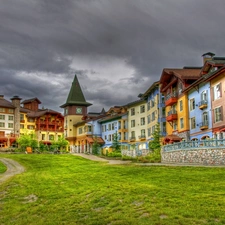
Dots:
pixel 91 140
pixel 3 139
pixel 172 138
pixel 12 139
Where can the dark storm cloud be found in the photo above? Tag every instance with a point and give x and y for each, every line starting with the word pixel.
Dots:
pixel 44 36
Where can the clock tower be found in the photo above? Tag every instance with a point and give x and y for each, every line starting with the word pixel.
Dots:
pixel 74 109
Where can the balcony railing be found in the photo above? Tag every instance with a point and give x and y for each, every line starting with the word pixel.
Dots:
pixel 172 115
pixel 171 99
pixel 188 145
pixel 132 138
pixel 204 125
pixel 142 137
pixel 202 104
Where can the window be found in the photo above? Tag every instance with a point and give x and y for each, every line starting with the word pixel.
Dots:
pixel 217 91
pixel 218 114
pixel 192 104
pixel 2 124
pixel 43 137
pixel 181 105
pixel 175 126
pixel 132 134
pixel 148 106
pixel 51 137
pixel 65 111
pixel 142 121
pixel 30 127
pixel 204 96
pixel 205 118
pixel 21 117
pixel 10 125
pixel 109 138
pixel 142 108
pixel 10 117
pixel 2 109
pixel 11 111
pixel 103 128
pixel 105 137
pixel 152 103
pixel 30 120
pixel 181 123
pixel 149 132
pixel 149 119
pixel 132 123
pixel 80 130
pixel 132 111
pixel 193 124
pixel 153 116
pixel 143 133
pixel 21 126
pixel 113 126
pixel 2 117
pixel 89 129
pixel 109 126
pixel 180 88
pixel 153 129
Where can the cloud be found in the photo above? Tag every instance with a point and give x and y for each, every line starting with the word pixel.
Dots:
pixel 117 48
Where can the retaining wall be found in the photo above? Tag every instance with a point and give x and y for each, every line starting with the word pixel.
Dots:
pixel 206 156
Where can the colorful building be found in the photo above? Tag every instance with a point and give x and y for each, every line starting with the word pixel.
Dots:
pixel 173 82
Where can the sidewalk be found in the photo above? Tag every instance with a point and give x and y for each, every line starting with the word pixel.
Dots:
pixel 99 159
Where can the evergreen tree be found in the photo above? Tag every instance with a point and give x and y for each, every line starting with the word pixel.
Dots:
pixel 155 143
pixel 116 144
pixel 95 146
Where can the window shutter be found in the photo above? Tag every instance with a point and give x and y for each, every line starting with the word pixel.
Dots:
pixel 220 88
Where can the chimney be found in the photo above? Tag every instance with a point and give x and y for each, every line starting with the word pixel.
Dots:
pixel 207 56
pixel 1 96
pixel 16 103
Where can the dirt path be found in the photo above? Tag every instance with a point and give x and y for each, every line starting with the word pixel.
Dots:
pixel 13 168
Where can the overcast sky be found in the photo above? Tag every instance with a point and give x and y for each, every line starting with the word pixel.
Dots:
pixel 117 48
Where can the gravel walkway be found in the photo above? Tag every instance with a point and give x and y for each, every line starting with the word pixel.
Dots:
pixel 13 168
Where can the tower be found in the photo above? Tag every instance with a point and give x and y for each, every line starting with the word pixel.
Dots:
pixel 74 109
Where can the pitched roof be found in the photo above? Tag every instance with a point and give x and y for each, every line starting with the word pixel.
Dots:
pixel 5 103
pixel 42 112
pixel 31 100
pixel 75 96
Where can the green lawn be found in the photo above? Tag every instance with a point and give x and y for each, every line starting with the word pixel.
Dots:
pixel 2 168
pixel 64 189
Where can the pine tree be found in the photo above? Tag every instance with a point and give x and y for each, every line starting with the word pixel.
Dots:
pixel 155 143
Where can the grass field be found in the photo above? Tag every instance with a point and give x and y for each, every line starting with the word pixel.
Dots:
pixel 64 189
pixel 2 168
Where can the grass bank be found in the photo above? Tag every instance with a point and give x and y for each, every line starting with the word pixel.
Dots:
pixel 65 189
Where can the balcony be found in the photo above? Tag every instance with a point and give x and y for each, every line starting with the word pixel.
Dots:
pixel 142 137
pixel 202 104
pixel 171 99
pixel 132 138
pixel 172 115
pixel 204 125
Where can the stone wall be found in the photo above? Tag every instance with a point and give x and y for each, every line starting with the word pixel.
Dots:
pixel 204 156
pixel 135 153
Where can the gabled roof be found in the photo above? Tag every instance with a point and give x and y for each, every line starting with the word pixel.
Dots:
pixel 75 96
pixel 42 112
pixel 5 103
pixel 31 100
pixel 175 74
pixel 110 118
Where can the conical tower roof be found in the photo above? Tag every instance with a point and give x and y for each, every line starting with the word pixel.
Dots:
pixel 75 96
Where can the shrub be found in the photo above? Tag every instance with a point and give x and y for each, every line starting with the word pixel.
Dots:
pixel 114 154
